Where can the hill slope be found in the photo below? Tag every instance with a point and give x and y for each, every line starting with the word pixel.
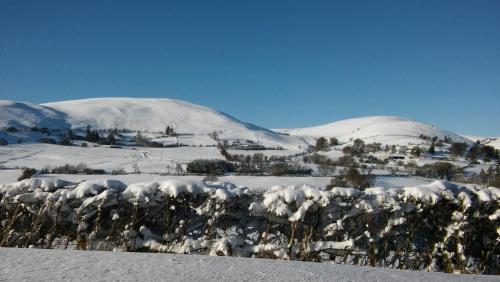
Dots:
pixel 152 115
pixel 490 141
pixel 147 114
pixel 25 115
pixel 383 129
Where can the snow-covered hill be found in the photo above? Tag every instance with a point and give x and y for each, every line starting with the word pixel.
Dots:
pixel 148 114
pixel 195 122
pixel 19 115
pixel 383 129
pixel 152 115
pixel 490 141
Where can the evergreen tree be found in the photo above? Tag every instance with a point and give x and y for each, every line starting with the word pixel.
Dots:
pixel 473 152
pixel 138 137
pixel 88 133
pixel 70 134
pixel 432 149
pixel 483 176
pixel 111 140
pixel 458 149
pixel 92 135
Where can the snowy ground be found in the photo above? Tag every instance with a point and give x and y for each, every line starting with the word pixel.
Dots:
pixel 9 175
pixel 56 265
pixel 254 183
pixel 268 153
pixel 158 160
pixel 399 182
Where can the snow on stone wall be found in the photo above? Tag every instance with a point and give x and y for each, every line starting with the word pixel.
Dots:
pixel 439 226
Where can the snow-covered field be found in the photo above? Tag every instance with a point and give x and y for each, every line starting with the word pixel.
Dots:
pixel 157 160
pixel 398 182
pixel 56 265
pixel 254 183
pixel 9 175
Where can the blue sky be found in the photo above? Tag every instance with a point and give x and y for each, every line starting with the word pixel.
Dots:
pixel 273 63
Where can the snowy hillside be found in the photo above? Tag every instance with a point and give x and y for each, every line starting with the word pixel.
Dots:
pixel 18 114
pixel 148 114
pixel 490 141
pixel 153 115
pixel 383 129
pixel 193 123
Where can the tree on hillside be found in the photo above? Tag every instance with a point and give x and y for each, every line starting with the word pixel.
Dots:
pixel 169 131
pixel 432 148
pixel 88 132
pixel 444 170
pixel 458 149
pixel 92 135
pixel 334 141
pixel 111 140
pixel 356 179
pixel 347 150
pixel 70 134
pixel 65 142
pixel 483 176
pixel 416 151
pixel 214 135
pixel 321 144
pixel 358 147
pixel 138 137
pixel 489 153
pixel 473 152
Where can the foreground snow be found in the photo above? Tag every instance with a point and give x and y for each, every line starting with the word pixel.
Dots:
pixel 56 265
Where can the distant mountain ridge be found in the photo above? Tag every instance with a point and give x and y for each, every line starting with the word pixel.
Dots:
pixel 155 114
pixel 152 115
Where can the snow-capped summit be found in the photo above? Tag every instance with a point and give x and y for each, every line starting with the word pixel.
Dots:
pixel 383 129
pixel 187 119
pixel 152 115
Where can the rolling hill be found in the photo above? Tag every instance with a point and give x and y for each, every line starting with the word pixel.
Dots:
pixel 383 129
pixel 151 115
pixel 196 122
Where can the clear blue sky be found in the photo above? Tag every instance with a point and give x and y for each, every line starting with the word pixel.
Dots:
pixel 272 63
